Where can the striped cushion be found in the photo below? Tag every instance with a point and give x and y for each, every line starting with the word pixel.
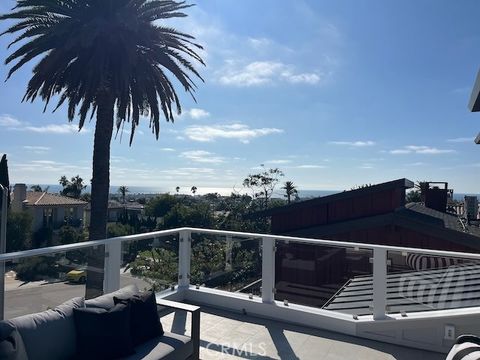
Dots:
pixel 424 262
pixel 465 351
pixel 467 347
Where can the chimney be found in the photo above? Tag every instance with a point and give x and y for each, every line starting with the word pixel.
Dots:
pixel 435 195
pixel 471 207
pixel 19 196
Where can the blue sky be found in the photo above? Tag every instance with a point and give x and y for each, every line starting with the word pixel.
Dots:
pixel 335 93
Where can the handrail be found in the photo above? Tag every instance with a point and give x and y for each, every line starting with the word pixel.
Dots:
pixel 154 234
pixel 86 244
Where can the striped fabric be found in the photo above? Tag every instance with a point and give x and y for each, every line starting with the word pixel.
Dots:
pixel 467 347
pixel 424 262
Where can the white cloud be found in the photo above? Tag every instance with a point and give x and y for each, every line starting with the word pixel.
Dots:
pixel 421 149
pixel 241 132
pixel 279 161
pixel 263 72
pixel 196 114
pixel 353 143
pixel 167 149
pixel 461 140
pixel 54 129
pixel 9 121
pixel 202 156
pixel 37 149
pixel 311 166
pixel 400 151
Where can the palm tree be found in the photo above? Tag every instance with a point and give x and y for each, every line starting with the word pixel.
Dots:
pixel 193 190
pixel 4 181
pixel 123 191
pixel 105 57
pixel 177 189
pixel 290 190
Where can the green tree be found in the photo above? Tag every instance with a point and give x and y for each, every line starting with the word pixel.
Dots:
pixel 194 215
pixel 72 188
pixel 413 196
pixel 290 190
pixel 156 266
pixel 114 230
pixel 19 231
pixel 160 205
pixel 123 190
pixel 263 184
pixel 177 189
pixel 69 235
pixel 194 190
pixel 36 188
pixel 108 58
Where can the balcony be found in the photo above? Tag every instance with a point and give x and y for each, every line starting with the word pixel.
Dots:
pixel 267 296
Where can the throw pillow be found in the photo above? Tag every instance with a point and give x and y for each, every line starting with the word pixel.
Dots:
pixel 103 334
pixel 106 301
pixel 11 343
pixel 144 321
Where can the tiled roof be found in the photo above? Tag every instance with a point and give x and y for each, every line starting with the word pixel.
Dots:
pixel 449 221
pixel 411 291
pixel 36 198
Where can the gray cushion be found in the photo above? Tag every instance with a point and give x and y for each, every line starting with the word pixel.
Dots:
pixel 11 343
pixel 49 334
pixel 167 347
pixel 106 301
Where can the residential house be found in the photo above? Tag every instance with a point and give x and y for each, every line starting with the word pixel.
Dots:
pixel 375 214
pixel 48 210
pixel 116 210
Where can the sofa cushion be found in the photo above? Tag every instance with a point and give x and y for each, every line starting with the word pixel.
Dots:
pixel 11 343
pixel 103 334
pixel 106 301
pixel 49 334
pixel 144 322
pixel 167 347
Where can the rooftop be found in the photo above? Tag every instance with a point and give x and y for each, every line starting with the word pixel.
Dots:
pixel 37 198
pixel 229 335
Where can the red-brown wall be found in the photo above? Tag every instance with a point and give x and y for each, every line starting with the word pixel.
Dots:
pixel 363 205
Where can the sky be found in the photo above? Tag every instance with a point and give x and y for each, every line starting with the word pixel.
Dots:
pixel 334 93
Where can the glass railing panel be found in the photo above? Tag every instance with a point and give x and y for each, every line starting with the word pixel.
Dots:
pixel 35 284
pixel 151 263
pixel 323 276
pixel 227 263
pixel 424 282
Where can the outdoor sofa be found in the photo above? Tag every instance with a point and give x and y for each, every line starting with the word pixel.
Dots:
pixel 54 334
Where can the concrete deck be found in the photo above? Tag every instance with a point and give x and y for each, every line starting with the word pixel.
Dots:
pixel 228 335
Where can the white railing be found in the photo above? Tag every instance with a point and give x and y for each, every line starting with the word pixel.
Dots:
pixel 113 259
pixel 268 304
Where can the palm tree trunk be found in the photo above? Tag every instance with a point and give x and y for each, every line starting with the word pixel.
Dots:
pixel 100 194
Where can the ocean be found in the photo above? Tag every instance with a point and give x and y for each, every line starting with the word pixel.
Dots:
pixel 56 188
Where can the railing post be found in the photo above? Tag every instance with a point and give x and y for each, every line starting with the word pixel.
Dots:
pixel 184 258
pixel 268 270
pixel 379 283
pixel 113 263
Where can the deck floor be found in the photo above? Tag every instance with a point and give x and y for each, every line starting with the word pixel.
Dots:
pixel 228 335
